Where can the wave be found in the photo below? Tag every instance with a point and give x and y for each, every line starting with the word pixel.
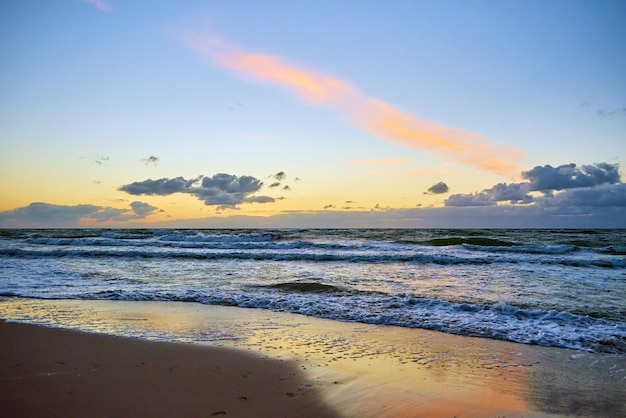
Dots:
pixel 377 257
pixel 613 250
pixel 482 242
pixel 197 236
pixel 500 321
pixel 238 255
pixel 195 242
pixel 304 287
pixel 385 241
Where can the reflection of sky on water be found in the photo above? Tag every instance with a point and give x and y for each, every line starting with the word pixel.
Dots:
pixel 397 367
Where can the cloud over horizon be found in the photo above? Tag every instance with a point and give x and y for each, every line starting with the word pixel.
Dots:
pixel 565 196
pixel 382 119
pixel 47 214
pixel 589 185
pixel 569 176
pixel 223 190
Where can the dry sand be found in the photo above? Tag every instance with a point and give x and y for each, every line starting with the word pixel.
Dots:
pixel 57 373
pixel 284 365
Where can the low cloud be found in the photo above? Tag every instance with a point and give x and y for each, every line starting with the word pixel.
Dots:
pixel 490 216
pixel 516 193
pixel 570 176
pixel 224 190
pixel 47 214
pixel 601 196
pixel 39 212
pixel 143 209
pixel 259 199
pixel 566 185
pixel 378 207
pixel 438 188
pixel 160 187
pixel 474 199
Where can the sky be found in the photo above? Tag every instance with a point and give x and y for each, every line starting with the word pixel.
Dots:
pixel 326 114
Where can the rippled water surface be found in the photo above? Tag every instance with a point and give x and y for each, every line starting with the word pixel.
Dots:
pixel 562 288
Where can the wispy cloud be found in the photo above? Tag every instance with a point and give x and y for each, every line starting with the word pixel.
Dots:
pixel 280 176
pixel 101 5
pixel 604 112
pixel 101 160
pixel 151 160
pixel 382 119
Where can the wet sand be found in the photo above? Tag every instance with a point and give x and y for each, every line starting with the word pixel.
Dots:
pixel 259 363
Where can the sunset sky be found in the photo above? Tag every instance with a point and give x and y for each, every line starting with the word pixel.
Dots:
pixel 231 113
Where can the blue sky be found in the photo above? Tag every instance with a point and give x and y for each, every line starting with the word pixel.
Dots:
pixel 101 97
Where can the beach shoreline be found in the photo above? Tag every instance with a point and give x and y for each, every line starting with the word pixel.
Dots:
pixel 255 362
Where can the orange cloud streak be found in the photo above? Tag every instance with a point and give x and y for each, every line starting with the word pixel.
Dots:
pixel 381 119
pixel 311 86
pixel 385 120
pixel 315 88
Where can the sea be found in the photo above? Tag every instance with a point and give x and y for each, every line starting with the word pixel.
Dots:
pixel 549 287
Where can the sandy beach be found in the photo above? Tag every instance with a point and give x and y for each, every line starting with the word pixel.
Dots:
pixel 57 373
pixel 268 364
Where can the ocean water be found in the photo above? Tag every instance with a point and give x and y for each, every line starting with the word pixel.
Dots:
pixel 561 288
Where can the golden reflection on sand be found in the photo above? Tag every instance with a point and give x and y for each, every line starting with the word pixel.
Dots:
pixel 389 371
